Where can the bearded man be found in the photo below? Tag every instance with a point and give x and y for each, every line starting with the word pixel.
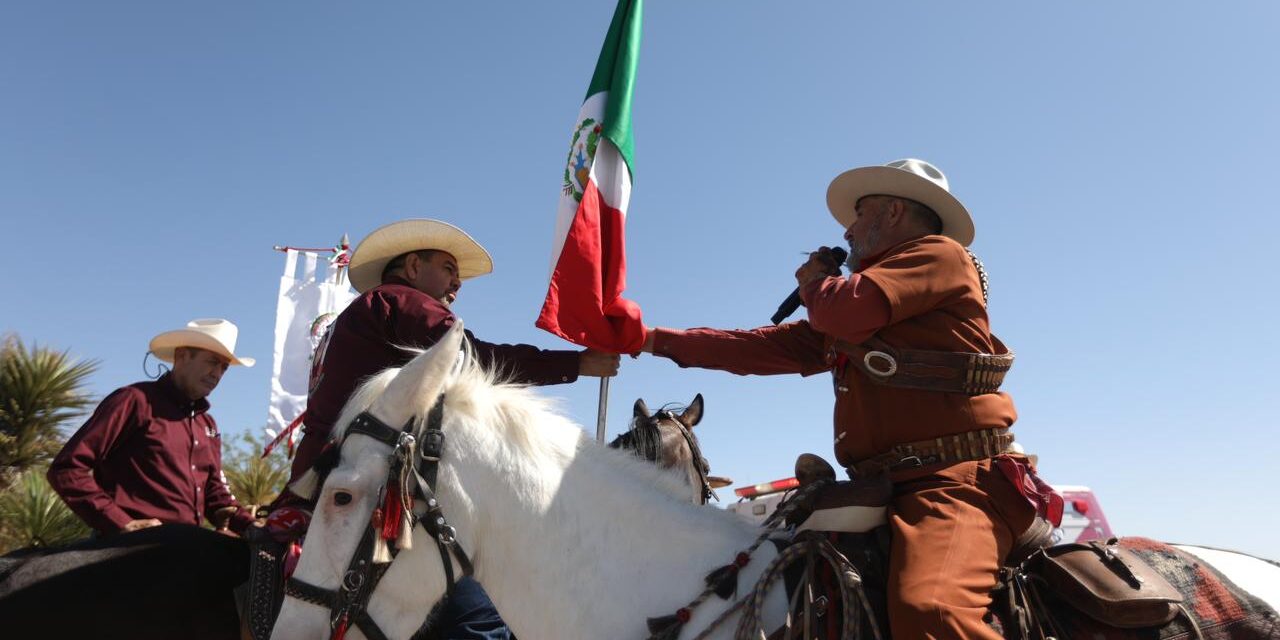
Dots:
pixel 916 371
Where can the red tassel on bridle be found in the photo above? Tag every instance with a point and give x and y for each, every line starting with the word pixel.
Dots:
pixel 392 513
pixel 340 631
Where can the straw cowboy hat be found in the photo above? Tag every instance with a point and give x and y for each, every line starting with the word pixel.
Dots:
pixel 211 334
pixel 398 238
pixel 910 178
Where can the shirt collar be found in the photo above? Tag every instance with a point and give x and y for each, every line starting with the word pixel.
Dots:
pixel 398 281
pixel 171 391
pixel 867 262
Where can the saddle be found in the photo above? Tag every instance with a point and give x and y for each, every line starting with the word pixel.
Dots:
pixel 841 507
pixel 1104 580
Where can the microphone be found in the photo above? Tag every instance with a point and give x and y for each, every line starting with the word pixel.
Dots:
pixel 792 302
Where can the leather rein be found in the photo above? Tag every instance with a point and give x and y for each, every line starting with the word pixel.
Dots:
pixel 348 603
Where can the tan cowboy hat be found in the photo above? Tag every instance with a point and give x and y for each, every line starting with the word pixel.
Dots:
pixel 211 334
pixel 910 178
pixel 398 238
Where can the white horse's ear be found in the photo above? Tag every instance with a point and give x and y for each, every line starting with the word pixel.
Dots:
pixel 420 381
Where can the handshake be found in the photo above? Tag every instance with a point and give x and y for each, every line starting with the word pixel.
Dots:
pixel 824 262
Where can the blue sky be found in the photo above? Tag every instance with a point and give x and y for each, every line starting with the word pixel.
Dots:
pixel 1119 161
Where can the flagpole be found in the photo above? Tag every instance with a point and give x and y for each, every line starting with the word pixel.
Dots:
pixel 604 409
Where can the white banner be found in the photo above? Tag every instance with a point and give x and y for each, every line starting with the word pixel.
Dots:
pixel 312 294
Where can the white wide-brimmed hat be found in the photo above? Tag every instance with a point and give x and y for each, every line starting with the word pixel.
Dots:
pixel 388 242
pixel 909 178
pixel 211 334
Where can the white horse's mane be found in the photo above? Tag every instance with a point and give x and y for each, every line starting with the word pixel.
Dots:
pixel 489 397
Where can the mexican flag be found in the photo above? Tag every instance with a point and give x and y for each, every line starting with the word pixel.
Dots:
pixel 584 303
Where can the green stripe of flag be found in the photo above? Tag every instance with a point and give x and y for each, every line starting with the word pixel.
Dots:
pixel 616 73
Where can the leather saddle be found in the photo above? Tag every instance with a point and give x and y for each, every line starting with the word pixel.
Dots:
pixel 1099 579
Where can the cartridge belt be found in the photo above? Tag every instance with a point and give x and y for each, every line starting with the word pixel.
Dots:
pixel 946 371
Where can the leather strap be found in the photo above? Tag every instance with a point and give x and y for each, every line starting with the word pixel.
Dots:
pixel 961 447
pixel 946 371
pixel 266 592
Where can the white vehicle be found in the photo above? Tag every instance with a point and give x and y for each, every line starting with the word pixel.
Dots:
pixel 1082 517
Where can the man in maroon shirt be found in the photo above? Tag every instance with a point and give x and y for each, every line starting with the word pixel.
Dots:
pixel 408 273
pixel 151 454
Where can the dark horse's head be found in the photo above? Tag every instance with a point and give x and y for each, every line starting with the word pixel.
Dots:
pixel 666 438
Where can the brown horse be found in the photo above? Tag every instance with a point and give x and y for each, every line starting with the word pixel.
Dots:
pixel 666 439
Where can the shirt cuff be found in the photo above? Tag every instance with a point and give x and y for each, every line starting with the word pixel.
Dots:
pixel 663 340
pixel 564 367
pixel 113 520
pixel 241 520
pixel 807 291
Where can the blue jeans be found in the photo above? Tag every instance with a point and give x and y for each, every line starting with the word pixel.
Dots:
pixel 469 614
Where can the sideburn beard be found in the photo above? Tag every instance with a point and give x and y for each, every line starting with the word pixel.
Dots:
pixel 861 251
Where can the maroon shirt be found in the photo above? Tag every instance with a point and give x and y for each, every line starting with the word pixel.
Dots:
pixel 147 452
pixel 367 337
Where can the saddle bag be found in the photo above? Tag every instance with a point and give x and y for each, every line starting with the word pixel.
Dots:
pixel 1108 583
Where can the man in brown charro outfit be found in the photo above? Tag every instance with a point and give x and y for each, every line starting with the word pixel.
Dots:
pixel 916 372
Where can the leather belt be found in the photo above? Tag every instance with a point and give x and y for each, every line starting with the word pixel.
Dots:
pixel 947 371
pixel 961 447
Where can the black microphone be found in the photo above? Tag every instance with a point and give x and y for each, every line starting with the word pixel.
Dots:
pixel 792 302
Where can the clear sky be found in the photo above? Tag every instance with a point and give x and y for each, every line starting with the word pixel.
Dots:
pixel 1119 159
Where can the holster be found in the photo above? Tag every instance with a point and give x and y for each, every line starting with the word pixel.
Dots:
pixel 1108 583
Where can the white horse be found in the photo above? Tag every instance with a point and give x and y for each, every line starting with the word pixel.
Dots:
pixel 569 539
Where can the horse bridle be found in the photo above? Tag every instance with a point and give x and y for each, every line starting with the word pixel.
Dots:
pixel 694 451
pixel 349 602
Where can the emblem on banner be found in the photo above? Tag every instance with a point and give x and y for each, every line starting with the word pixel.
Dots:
pixel 321 329
pixel 582 150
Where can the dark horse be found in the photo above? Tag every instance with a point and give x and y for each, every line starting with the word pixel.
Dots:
pixel 174 581
pixel 666 438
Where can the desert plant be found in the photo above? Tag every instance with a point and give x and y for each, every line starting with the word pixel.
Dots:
pixel 34 516
pixel 254 480
pixel 40 390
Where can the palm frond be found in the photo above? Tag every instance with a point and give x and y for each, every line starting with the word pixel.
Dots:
pixel 41 389
pixel 254 480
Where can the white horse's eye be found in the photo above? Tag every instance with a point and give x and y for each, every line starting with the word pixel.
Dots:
pixel 341 498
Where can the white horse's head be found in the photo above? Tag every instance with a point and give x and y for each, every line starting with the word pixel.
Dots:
pixel 346 503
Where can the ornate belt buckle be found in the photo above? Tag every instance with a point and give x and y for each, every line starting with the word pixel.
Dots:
pixel 883 373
